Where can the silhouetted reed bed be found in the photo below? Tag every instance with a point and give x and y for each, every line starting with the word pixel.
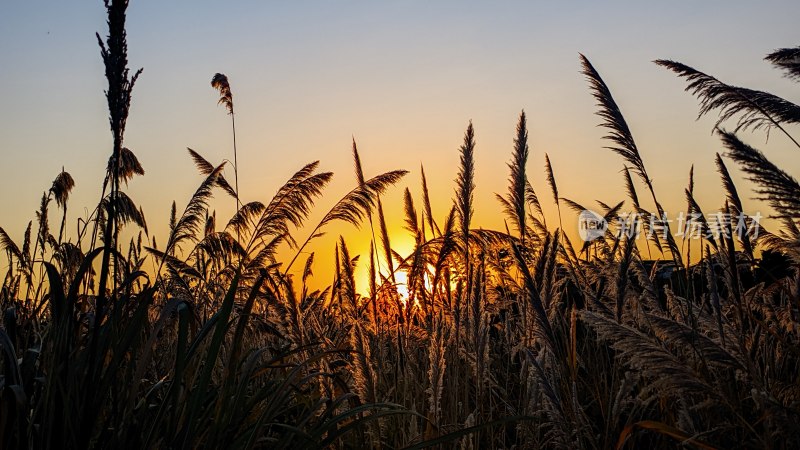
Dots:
pixel 514 338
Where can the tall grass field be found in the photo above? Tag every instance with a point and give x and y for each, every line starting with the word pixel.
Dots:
pixel 639 336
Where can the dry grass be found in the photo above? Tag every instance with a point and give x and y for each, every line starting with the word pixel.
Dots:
pixel 504 339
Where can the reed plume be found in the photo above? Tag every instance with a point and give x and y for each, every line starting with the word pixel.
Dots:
pixel 515 201
pixel 734 201
pixel 756 109
pixel 787 59
pixel 426 203
pixel 465 183
pixel 622 141
pixel 777 187
pixel 220 83
pixel 551 181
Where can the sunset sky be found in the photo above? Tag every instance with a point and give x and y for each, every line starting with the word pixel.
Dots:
pixel 403 78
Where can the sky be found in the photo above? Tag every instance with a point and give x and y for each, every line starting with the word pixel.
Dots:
pixel 402 78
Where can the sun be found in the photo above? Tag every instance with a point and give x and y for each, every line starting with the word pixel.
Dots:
pixel 401 279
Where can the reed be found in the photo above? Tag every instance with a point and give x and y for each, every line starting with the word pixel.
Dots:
pixel 508 338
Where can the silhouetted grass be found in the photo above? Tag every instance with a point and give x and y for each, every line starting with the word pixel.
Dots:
pixel 499 339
